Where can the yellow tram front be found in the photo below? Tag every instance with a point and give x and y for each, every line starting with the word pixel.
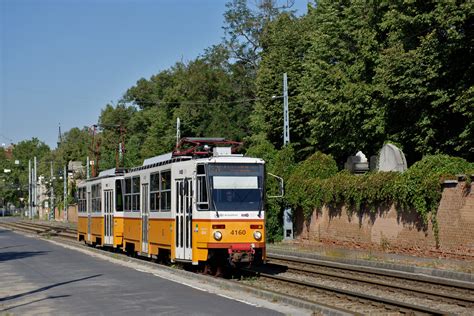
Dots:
pixel 225 222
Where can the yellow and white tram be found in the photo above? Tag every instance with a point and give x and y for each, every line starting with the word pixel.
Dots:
pixel 191 208
pixel 100 209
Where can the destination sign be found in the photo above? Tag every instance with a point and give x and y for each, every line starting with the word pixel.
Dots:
pixel 235 169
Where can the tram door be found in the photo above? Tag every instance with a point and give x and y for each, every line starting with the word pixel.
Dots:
pixel 89 220
pixel 184 196
pixel 145 216
pixel 109 217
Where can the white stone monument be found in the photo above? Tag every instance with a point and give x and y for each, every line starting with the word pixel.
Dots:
pixel 391 158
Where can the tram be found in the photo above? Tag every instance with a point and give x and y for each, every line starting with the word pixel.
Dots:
pixel 100 209
pixel 200 204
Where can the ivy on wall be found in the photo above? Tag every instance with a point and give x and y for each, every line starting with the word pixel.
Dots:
pixel 315 182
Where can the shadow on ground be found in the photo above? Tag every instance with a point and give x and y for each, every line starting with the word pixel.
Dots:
pixel 13 246
pixel 35 301
pixel 15 255
pixel 45 288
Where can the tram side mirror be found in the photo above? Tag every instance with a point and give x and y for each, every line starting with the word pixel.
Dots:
pixel 281 187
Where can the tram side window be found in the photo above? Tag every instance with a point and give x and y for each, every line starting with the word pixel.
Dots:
pixel 93 199
pixel 84 200
pixel 135 194
pixel 96 198
pixel 118 196
pixel 202 198
pixel 154 192
pixel 165 191
pixel 81 201
pixel 128 194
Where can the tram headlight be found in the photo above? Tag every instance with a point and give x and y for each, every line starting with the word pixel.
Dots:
pixel 257 235
pixel 217 235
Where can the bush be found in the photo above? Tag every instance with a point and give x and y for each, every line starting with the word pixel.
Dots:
pixel 318 165
pixel 419 188
pixel 303 188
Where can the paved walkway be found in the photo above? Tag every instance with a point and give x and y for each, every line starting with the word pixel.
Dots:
pixel 39 277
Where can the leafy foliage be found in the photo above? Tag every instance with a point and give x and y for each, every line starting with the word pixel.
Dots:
pixel 284 45
pixel 418 189
pixel 362 73
pixel 246 26
pixel 13 184
pixel 359 74
pixel 420 186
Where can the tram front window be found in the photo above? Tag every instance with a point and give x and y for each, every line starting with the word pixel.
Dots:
pixel 236 187
pixel 237 199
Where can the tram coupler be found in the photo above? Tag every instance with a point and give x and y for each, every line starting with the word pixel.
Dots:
pixel 241 253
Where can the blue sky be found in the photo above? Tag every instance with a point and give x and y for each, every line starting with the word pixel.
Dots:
pixel 62 61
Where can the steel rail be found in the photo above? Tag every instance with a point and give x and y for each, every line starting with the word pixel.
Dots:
pixel 466 301
pixel 37 228
pixel 373 298
pixel 375 271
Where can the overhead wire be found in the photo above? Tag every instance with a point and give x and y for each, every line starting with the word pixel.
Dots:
pixel 142 101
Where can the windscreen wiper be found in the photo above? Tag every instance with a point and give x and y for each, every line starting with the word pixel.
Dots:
pixel 217 212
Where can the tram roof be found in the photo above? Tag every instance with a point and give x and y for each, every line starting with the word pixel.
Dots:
pixel 114 172
pixel 160 160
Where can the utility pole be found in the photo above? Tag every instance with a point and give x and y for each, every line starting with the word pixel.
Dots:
pixel 51 213
pixel 35 188
pixel 87 167
pixel 287 218
pixel 178 131
pixel 30 197
pixel 286 117
pixel 120 155
pixel 65 193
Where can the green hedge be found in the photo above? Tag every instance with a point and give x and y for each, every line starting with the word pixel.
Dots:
pixel 419 188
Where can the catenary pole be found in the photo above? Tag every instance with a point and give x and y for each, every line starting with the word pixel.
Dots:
pixel 30 195
pixel 178 131
pixel 286 117
pixel 287 217
pixel 35 189
pixel 65 193
pixel 51 213
pixel 87 167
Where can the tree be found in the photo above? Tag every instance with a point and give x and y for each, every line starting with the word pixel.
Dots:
pixel 23 152
pixel 284 47
pixel 112 126
pixel 160 134
pixel 74 146
pixel 245 26
pixel 336 89
pixel 425 73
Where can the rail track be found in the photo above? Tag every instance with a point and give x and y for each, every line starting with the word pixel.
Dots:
pixel 41 229
pixel 350 288
pixel 364 290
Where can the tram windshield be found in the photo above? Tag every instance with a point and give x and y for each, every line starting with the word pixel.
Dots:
pixel 236 187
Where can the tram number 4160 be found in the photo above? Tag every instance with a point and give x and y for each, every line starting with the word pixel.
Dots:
pixel 238 232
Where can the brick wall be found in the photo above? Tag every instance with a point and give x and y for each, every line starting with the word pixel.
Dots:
pixel 389 227
pixel 71 215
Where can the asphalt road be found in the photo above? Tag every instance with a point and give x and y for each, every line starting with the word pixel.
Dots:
pixel 38 277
